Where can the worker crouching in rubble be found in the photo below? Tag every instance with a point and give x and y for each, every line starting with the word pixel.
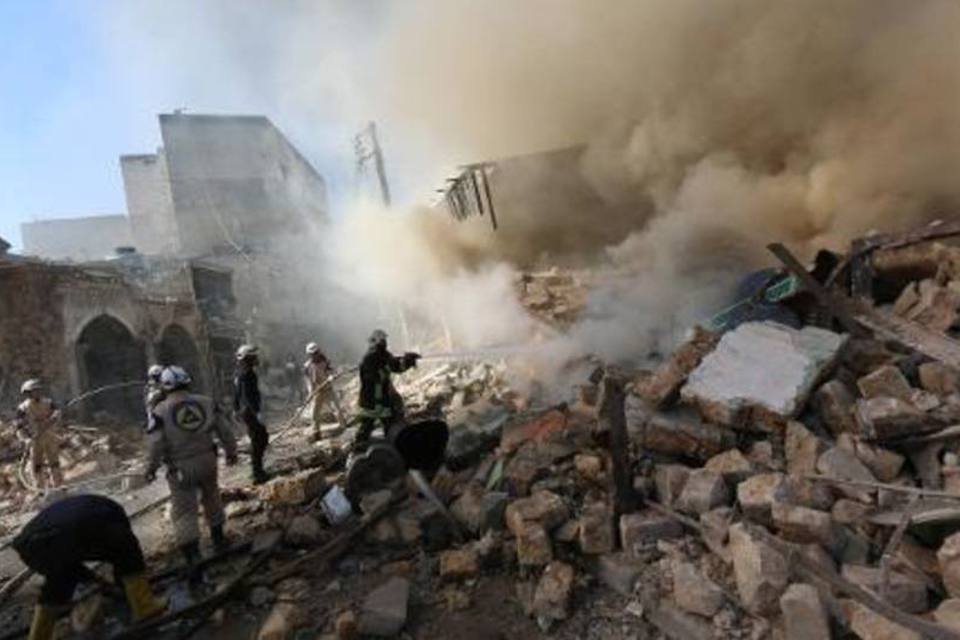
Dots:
pixel 38 420
pixel 317 371
pixel 247 405
pixel 380 403
pixel 181 436
pixel 74 530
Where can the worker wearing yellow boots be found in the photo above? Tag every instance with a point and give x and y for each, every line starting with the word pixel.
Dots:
pixel 74 530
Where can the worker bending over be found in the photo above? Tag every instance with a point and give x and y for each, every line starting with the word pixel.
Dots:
pixel 380 403
pixel 247 406
pixel 38 421
pixel 74 530
pixel 182 433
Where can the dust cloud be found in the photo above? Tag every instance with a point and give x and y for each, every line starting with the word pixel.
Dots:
pixel 711 127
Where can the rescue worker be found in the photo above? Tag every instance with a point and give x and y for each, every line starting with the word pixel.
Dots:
pixel 380 403
pixel 74 530
pixel 38 421
pixel 182 434
pixel 317 371
pixel 152 391
pixel 247 406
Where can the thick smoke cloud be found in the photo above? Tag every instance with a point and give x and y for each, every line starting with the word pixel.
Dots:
pixel 713 127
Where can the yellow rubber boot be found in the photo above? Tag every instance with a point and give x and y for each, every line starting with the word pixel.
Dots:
pixel 44 620
pixel 143 604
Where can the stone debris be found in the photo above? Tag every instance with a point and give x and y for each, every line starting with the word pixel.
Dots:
pixel 384 610
pixel 804 616
pixel 704 490
pixel 551 600
pixel 750 452
pixel 764 366
pixel 459 563
pixel 693 591
pixel 664 383
pixel 761 573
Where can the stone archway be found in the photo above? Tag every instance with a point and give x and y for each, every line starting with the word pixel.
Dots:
pixel 107 354
pixel 177 347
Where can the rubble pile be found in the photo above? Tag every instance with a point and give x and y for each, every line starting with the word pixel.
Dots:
pixel 793 482
pixel 763 481
pixel 556 297
pixel 85 452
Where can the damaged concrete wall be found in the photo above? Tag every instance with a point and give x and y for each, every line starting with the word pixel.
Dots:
pixel 237 181
pixel 146 186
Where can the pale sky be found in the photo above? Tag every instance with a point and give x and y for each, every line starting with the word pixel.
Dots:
pixel 83 81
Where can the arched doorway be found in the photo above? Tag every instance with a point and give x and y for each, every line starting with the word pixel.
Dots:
pixel 177 347
pixel 107 354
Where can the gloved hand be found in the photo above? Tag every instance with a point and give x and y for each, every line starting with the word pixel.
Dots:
pixel 150 475
pixel 232 460
pixel 411 358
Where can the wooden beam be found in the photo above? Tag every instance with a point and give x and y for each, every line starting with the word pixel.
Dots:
pixel 611 414
pixel 831 302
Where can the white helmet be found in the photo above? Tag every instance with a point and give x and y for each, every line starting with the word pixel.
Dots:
pixel 31 385
pixel 174 378
pixel 379 336
pixel 312 348
pixel 246 351
pixel 153 373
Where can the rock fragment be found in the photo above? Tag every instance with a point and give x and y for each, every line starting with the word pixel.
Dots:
pixel 384 611
pixel 551 600
pixel 804 616
pixel 761 573
pixel 761 365
pixel 693 591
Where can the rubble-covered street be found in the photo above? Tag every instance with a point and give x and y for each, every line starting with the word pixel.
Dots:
pixel 782 482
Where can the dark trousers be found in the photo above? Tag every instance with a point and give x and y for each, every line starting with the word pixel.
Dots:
pixel 57 552
pixel 259 439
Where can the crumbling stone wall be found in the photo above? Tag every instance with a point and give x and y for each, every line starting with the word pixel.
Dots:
pixel 47 307
pixel 31 329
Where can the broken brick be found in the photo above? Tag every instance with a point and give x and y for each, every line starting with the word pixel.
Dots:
pixel 693 591
pixel 886 382
pixel 882 418
pixel 533 545
pixel 638 530
pixel 802 449
pixel 761 573
pixel 551 600
pixel 459 563
pixel 543 507
pixel 596 529
pixel 804 616
pixel 703 491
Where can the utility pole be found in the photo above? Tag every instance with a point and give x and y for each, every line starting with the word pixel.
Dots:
pixel 366 145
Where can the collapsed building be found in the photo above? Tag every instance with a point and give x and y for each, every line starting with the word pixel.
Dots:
pixel 523 196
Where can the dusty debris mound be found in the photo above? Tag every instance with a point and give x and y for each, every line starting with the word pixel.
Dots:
pixel 556 297
pixel 764 481
pixel 85 452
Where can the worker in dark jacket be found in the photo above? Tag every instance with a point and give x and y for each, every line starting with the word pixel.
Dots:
pixel 247 406
pixel 74 530
pixel 380 403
